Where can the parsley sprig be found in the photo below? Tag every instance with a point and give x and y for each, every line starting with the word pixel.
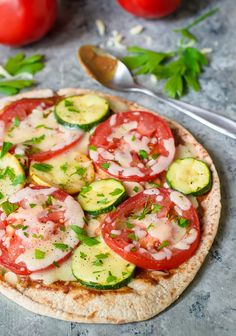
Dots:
pixel 17 73
pixel 180 69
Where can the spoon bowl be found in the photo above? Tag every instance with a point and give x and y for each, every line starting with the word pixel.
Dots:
pixel 109 71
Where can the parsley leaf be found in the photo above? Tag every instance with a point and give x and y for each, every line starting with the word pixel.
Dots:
pixel 9 208
pixel 20 179
pixel 183 222
pixel 6 146
pixel 39 254
pixel 116 192
pixel 179 69
pixel 163 244
pixel 111 277
pixel 82 236
pixel 44 167
pixel 61 246
pixel 143 154
pixel 105 165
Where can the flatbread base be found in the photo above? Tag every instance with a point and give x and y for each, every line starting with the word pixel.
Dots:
pixel 145 296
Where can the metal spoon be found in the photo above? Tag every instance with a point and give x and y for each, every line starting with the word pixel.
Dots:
pixel 113 74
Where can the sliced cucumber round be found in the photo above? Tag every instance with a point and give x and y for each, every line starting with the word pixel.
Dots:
pixel 12 176
pixel 82 111
pixel 69 171
pixel 100 268
pixel 189 176
pixel 101 196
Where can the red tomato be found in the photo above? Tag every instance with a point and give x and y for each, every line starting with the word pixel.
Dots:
pixel 144 230
pixel 21 109
pixel 24 21
pixel 133 146
pixel 19 237
pixel 150 9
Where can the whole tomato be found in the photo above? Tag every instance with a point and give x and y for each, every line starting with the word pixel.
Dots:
pixel 150 9
pixel 25 21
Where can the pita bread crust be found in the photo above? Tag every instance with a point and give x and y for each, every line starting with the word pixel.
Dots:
pixel 142 298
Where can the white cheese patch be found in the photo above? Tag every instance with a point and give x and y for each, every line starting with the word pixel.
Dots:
pixel 151 192
pixel 30 194
pixel 100 27
pixel 180 200
pixel 136 30
pixel 185 243
pixel 120 131
pixel 124 158
pixel 138 144
pixel 113 120
pixel 55 136
pixel 162 162
pixel 132 171
pixel 62 273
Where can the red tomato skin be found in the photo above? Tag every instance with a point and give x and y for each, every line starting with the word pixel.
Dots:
pixel 118 244
pixel 26 21
pixel 150 9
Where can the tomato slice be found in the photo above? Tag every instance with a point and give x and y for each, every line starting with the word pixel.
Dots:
pixel 156 229
pixel 37 234
pixel 133 146
pixel 36 132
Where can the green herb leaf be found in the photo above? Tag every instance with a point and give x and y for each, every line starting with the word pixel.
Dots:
pixel 163 244
pixel 64 167
pixel 111 277
pixel 6 146
pixel 105 165
pixel 102 255
pixel 39 254
pixel 44 167
pixel 20 64
pixel 93 148
pixel 1 195
pixel 143 154
pixel 136 189
pixel 132 236
pixel 20 179
pixel 129 225
pixel 60 246
pixel 35 140
pixel 183 222
pixel 156 208
pixel 116 192
pixel 83 255
pixel 82 236
pixel 9 208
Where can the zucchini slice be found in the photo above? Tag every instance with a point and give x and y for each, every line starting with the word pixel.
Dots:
pixel 189 176
pixel 82 111
pixel 12 176
pixel 101 196
pixel 99 267
pixel 69 171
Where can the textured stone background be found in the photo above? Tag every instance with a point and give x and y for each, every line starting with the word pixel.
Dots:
pixel 208 306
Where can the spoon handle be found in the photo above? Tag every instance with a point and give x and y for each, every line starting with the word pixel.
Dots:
pixel 217 122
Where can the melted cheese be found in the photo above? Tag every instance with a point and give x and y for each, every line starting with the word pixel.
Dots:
pixel 30 194
pixel 180 200
pixel 119 132
pixel 55 135
pixel 162 162
pixel 62 273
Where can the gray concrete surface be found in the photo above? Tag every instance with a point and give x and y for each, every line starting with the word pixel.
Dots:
pixel 208 306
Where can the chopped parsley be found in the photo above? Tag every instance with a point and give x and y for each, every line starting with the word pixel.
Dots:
pixel 20 179
pixel 82 236
pixel 103 201
pixel 60 246
pixel 132 236
pixel 111 277
pixel 32 205
pixel 6 146
pixel 68 103
pixel 102 255
pixel 115 192
pixel 39 254
pixel 133 138
pixel 143 154
pixel 129 225
pixel 35 140
pixel 83 255
pixel 80 171
pixel 36 236
pixel 44 167
pixel 93 148
pixel 163 244
pixel 56 264
pixel 105 165
pixel 44 126
pixel 149 226
pixel 156 208
pixel 9 208
pixel 1 195
pixel 136 189
pixel 183 222
pixel 64 167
